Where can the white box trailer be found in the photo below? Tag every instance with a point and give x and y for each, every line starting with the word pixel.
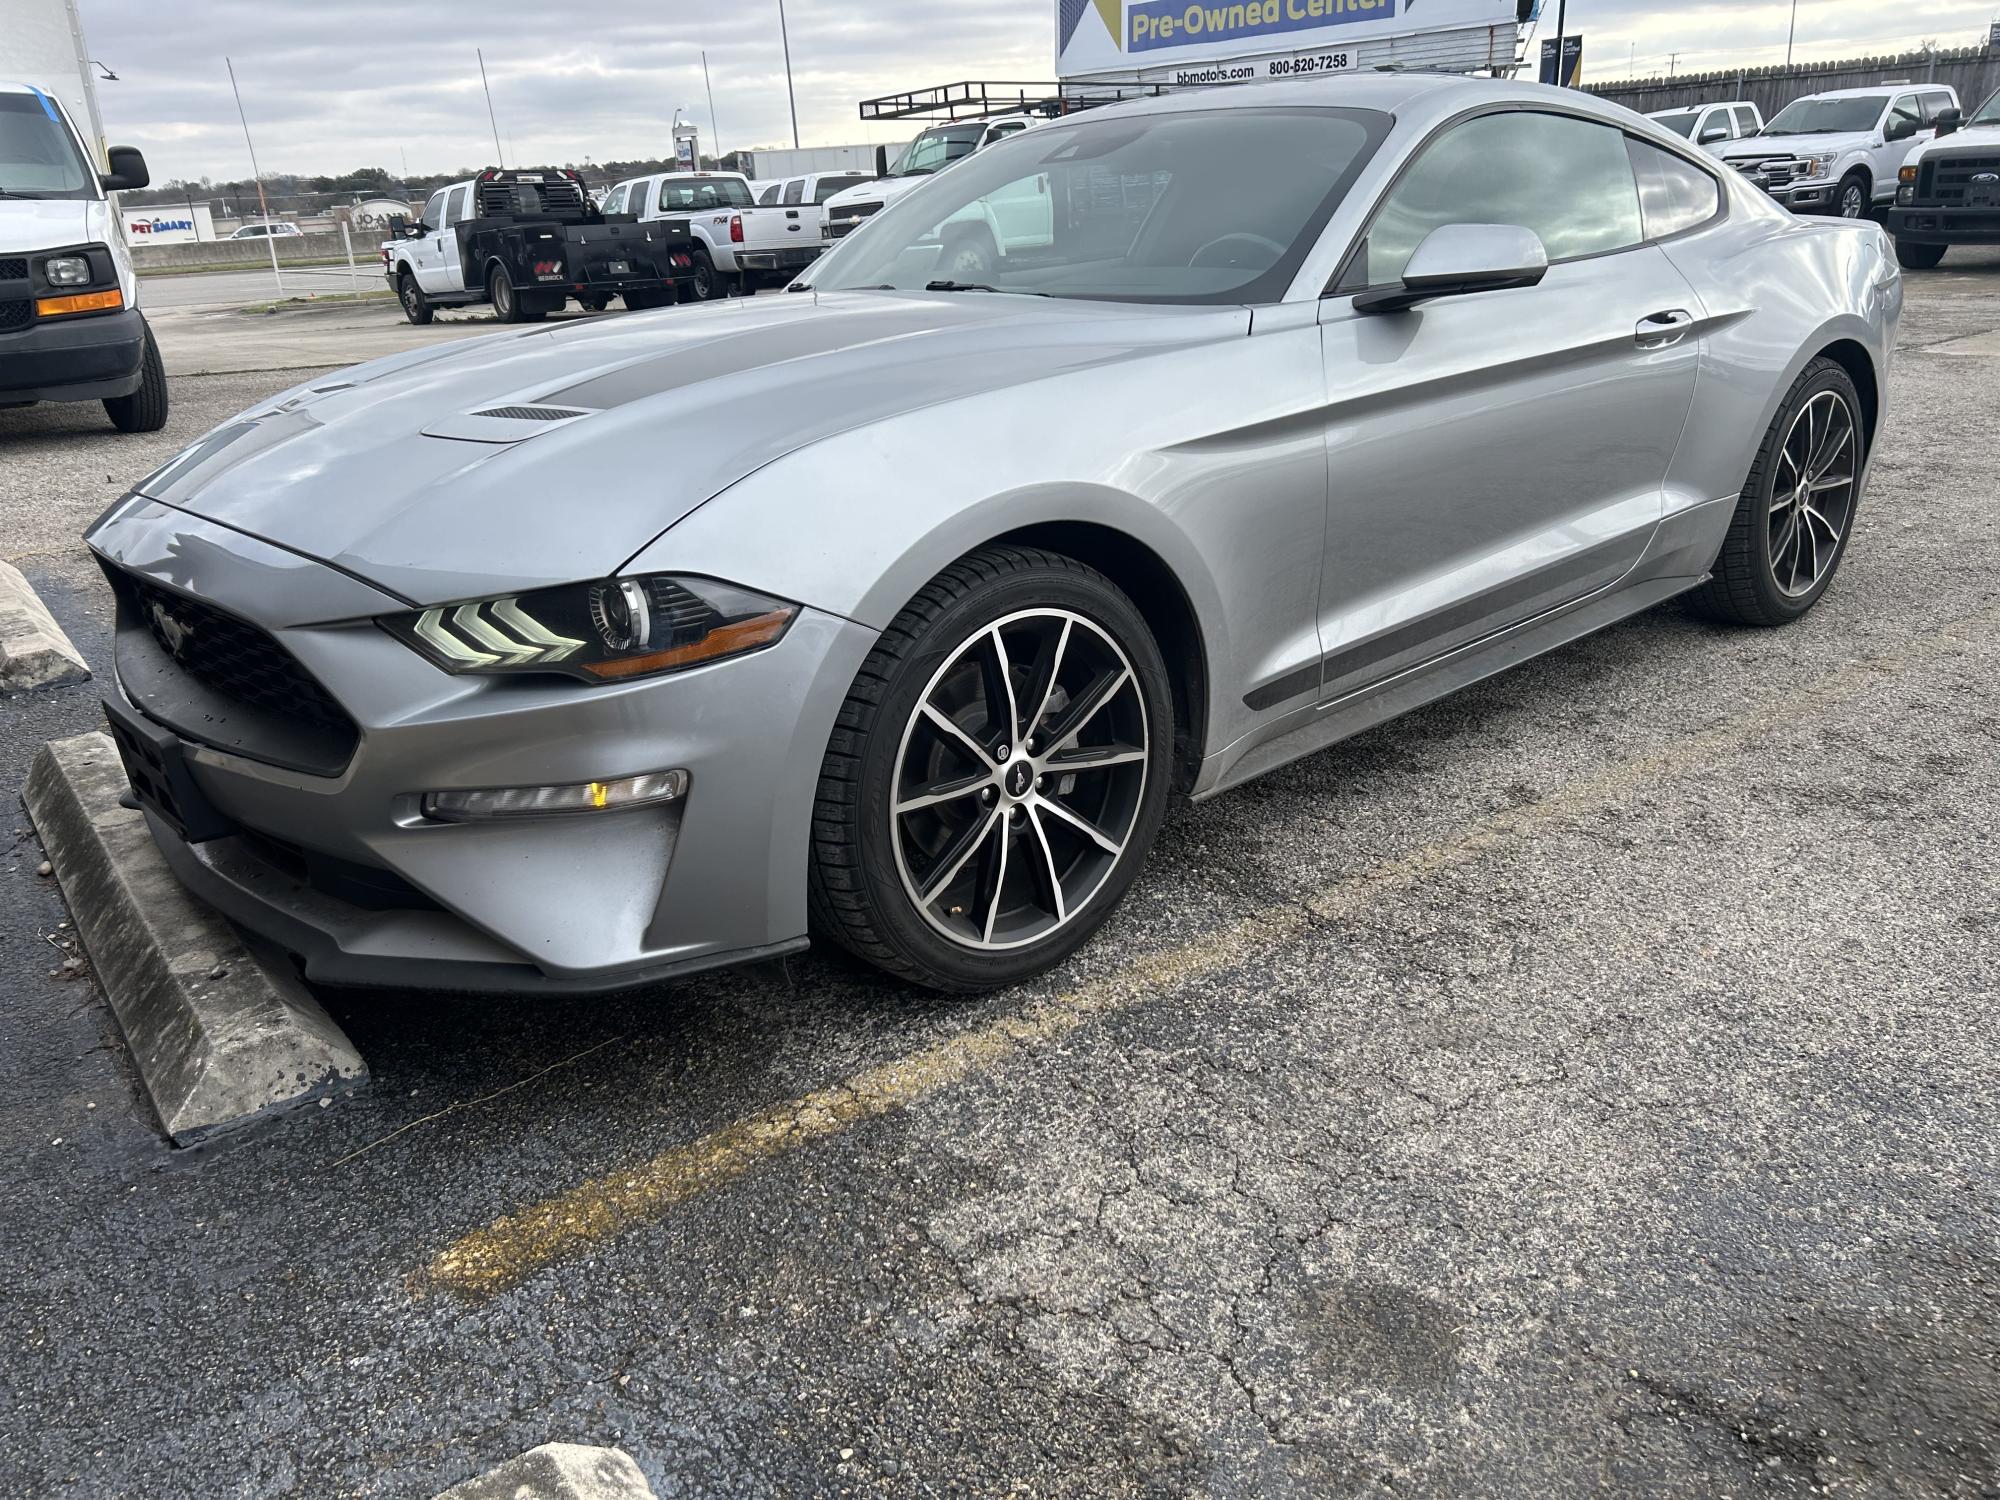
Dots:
pixel 41 42
pixel 1184 42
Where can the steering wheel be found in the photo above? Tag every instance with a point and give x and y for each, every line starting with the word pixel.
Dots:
pixel 1277 250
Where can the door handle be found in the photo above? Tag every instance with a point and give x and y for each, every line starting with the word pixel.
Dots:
pixel 1662 330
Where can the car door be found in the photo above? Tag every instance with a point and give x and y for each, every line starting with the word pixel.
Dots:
pixel 1495 456
pixel 441 271
pixel 1901 131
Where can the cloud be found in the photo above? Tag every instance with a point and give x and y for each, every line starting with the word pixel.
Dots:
pixel 334 84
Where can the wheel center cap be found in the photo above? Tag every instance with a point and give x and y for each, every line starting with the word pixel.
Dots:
pixel 1020 777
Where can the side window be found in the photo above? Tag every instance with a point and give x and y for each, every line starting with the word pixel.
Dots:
pixel 1746 120
pixel 642 193
pixel 826 187
pixel 1567 179
pixel 795 190
pixel 768 195
pixel 454 208
pixel 434 211
pixel 1674 194
pixel 1904 119
pixel 1933 105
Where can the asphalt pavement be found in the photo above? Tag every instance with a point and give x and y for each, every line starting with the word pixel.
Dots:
pixel 1583 1085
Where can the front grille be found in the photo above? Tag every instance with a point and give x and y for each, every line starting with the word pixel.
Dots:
pixel 15 315
pixel 234 658
pixel 854 211
pixel 13 268
pixel 1947 180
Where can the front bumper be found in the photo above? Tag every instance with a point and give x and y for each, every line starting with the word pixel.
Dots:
pixel 1945 226
pixel 338 869
pixel 85 358
pixel 1806 197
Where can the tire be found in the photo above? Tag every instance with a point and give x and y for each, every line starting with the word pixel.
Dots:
pixel 969 255
pixel 1915 257
pixel 708 285
pixel 509 306
pixel 145 410
pixel 1750 582
pixel 645 301
pixel 1856 195
pixel 416 306
pixel 872 863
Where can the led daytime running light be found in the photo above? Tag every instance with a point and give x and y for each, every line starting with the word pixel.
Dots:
pixel 648 789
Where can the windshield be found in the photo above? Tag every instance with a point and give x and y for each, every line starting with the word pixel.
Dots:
pixel 679 195
pixel 1679 121
pixel 937 148
pixel 1828 116
pixel 1989 112
pixel 38 155
pixel 1181 207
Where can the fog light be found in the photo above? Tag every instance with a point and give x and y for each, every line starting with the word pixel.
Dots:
pixel 646 790
pixel 67 270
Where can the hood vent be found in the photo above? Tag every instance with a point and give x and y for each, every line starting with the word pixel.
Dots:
pixel 529 413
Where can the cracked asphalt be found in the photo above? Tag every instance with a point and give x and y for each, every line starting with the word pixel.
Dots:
pixel 1584 1085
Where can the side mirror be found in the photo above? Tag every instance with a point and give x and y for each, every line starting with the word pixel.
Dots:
pixel 1713 134
pixel 128 171
pixel 1458 259
pixel 1949 120
pixel 1899 130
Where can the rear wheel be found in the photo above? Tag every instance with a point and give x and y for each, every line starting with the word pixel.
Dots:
pixel 1796 512
pixel 969 255
pixel 145 410
pixel 997 775
pixel 1914 257
pixel 641 301
pixel 509 306
pixel 707 283
pixel 416 306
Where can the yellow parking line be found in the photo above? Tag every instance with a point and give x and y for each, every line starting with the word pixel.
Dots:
pixel 514 1246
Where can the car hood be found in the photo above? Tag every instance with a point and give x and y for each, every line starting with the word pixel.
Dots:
pixel 1970 140
pixel 43 224
pixel 879 190
pixel 1826 143
pixel 529 458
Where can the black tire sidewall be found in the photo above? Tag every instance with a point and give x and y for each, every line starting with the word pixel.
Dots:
pixel 939 961
pixel 1853 181
pixel 500 292
pixel 416 307
pixel 705 275
pixel 1830 377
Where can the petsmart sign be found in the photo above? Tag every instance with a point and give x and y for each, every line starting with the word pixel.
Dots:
pixel 1125 36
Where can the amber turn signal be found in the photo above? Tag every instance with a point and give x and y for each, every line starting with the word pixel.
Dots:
pixel 82 302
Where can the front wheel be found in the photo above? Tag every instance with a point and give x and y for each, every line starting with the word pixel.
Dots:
pixel 416 306
pixel 1854 196
pixel 997 775
pixel 1796 512
pixel 145 410
pixel 1914 257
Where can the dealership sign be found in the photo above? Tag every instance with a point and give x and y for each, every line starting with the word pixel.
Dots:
pixel 1118 36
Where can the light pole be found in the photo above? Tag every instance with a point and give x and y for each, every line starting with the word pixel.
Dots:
pixel 500 160
pixel 792 98
pixel 714 131
pixel 255 171
pixel 1792 36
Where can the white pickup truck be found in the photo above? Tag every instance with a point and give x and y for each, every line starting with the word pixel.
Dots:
pixel 1839 152
pixel 732 237
pixel 931 152
pixel 1710 125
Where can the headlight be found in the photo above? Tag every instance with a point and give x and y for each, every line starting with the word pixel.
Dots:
pixel 1814 166
pixel 66 270
pixel 607 631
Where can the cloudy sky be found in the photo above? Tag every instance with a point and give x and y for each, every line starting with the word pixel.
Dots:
pixel 335 84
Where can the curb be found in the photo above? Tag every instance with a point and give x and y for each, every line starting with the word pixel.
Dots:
pixel 221 1031
pixel 34 650
pixel 559 1471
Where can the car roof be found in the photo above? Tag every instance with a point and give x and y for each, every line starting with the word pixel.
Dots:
pixel 1430 94
pixel 1875 89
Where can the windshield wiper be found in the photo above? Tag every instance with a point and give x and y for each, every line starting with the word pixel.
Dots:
pixel 974 286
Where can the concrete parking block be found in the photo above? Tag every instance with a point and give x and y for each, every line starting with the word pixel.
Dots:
pixel 34 650
pixel 220 1029
pixel 559 1471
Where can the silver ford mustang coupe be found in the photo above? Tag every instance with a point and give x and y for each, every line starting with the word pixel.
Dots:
pixel 1137 454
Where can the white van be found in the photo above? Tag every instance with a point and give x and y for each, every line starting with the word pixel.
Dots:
pixel 70 326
